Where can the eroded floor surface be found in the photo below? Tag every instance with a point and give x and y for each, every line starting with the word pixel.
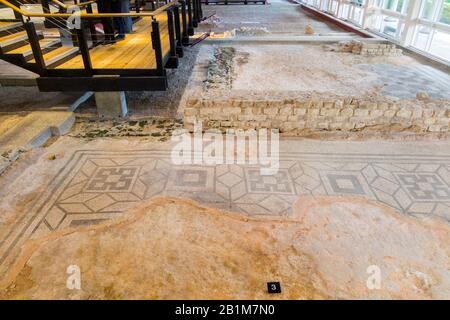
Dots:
pixel 264 20
pixel 252 70
pixel 392 196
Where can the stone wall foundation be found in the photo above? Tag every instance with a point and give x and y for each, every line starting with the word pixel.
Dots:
pixel 294 116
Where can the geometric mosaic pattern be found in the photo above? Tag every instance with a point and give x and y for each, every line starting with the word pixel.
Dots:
pixel 112 179
pixel 425 186
pixel 277 183
pixel 97 185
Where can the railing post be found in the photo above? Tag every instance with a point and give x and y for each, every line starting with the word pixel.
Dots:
pixel 48 22
pixel 156 43
pixel 137 3
pixel 35 47
pixel 173 60
pixel 92 27
pixel 84 50
pixel 200 11
pixel 45 6
pixel 195 13
pixel 185 38
pixel 179 45
pixel 17 15
pixel 191 18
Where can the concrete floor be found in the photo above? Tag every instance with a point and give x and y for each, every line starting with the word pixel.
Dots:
pixel 11 75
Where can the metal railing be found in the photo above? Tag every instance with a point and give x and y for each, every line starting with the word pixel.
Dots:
pixel 182 17
pixel 88 15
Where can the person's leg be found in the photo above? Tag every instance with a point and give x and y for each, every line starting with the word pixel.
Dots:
pixel 104 6
pixel 118 21
pixel 108 29
pixel 121 28
pixel 125 8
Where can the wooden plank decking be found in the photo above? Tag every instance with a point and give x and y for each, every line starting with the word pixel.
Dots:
pixel 135 52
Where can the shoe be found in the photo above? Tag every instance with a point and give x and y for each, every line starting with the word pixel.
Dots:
pixel 107 42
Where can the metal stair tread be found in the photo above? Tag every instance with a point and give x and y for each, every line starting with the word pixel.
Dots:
pixel 14 38
pixel 58 54
pixel 26 49
pixel 6 25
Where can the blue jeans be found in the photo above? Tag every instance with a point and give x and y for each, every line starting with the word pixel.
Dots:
pixel 123 25
pixel 125 8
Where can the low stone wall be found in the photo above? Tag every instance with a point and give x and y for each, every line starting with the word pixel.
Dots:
pixel 295 116
pixel 378 49
pixel 370 48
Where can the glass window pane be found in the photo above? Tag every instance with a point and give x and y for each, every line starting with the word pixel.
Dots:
pixel 375 22
pixel 389 4
pixel 357 15
pixel 389 26
pixel 445 13
pixel 345 11
pixel 402 6
pixel 440 46
pixel 427 9
pixel 334 6
pixel 422 36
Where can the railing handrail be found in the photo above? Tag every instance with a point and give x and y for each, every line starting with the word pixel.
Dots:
pixel 88 15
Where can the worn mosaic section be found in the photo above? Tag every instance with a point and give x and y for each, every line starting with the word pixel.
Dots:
pixel 95 186
pixel 406 80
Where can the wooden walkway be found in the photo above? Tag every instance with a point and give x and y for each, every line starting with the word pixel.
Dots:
pixel 135 52
pixel 68 62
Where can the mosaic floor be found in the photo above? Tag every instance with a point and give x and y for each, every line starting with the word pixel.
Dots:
pixel 98 185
